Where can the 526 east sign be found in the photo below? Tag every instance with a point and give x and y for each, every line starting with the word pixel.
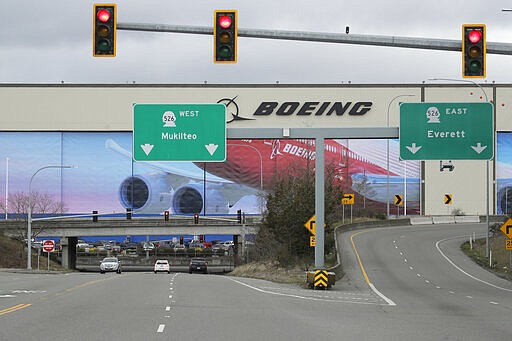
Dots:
pixel 446 131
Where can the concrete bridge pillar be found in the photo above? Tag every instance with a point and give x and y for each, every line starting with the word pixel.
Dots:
pixel 69 252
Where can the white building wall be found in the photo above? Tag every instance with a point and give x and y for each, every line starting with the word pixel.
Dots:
pixel 109 108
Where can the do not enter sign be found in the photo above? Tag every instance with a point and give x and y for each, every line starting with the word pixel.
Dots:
pixel 48 245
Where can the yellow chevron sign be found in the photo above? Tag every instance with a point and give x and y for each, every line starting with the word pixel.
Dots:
pixel 398 200
pixel 321 279
pixel 447 199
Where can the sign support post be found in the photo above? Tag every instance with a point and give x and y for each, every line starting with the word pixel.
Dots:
pixel 319 203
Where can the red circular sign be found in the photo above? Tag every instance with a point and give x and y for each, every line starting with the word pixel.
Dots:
pixel 48 245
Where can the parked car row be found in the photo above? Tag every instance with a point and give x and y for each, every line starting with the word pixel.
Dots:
pixel 131 248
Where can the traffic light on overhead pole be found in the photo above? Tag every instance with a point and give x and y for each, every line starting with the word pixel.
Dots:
pixel 104 30
pixel 225 34
pixel 473 51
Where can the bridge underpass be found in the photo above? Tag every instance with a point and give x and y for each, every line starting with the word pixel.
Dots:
pixel 69 230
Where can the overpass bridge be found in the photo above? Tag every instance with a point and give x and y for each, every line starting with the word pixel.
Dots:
pixel 70 229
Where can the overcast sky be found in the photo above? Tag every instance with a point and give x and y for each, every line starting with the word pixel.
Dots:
pixel 49 41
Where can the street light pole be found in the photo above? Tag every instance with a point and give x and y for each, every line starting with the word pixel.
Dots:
pixel 487 247
pixel 387 152
pixel 29 219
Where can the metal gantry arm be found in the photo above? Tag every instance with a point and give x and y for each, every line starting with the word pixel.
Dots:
pixel 325 37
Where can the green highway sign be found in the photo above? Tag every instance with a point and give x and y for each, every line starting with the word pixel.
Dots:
pixel 179 132
pixel 446 131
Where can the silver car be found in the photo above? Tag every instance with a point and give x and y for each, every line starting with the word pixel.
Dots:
pixel 110 264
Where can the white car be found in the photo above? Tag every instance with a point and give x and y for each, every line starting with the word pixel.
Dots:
pixel 110 264
pixel 228 244
pixel 148 246
pixel 162 265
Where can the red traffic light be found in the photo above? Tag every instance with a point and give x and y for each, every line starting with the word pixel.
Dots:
pixel 225 36
pixel 225 21
pixel 475 36
pixel 473 51
pixel 104 30
pixel 103 15
pixel 196 218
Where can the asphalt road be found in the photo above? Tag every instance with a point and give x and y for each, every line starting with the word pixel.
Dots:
pixel 422 288
pixel 435 292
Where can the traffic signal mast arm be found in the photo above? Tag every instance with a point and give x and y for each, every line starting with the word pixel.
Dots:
pixel 336 38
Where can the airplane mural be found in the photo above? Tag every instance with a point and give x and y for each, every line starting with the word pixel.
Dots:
pixel 249 170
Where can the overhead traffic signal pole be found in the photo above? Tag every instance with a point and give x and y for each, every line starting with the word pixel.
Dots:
pixel 335 38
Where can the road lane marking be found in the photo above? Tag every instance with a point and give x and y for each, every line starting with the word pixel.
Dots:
pixel 28 291
pixel 14 308
pixel 464 272
pixel 160 328
pixel 297 296
pixel 365 275
pixel 367 280
pixel 496 303
pixel 168 308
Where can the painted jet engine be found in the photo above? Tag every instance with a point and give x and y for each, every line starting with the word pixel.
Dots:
pixel 249 170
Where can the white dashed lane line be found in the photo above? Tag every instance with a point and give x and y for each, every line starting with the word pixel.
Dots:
pixel 161 327
pixel 411 267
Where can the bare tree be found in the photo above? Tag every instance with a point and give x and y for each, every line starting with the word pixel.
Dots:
pixel 41 203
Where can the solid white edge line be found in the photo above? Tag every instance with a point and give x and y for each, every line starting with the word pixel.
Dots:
pixel 388 301
pixel 464 272
pixel 365 275
pixel 297 296
pixel 160 328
